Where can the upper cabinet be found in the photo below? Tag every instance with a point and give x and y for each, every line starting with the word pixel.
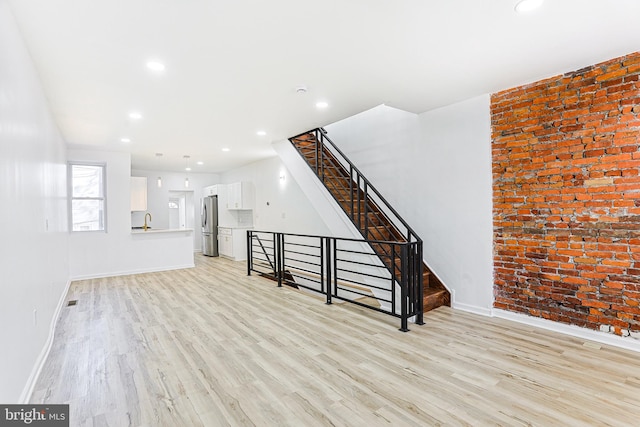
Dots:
pixel 240 195
pixel 211 190
pixel 138 193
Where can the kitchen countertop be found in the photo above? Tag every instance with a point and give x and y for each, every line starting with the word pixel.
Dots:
pixel 161 230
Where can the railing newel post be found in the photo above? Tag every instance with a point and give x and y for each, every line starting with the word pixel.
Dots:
pixel 329 266
pixel 249 252
pixel 404 327
pixel 278 257
pixel 393 278
pixel 322 265
pixel 420 308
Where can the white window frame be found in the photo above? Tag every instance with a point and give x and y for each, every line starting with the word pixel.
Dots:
pixel 70 166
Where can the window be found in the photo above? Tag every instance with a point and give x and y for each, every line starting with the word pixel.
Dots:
pixel 87 190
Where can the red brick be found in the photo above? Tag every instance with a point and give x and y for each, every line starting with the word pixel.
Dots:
pixel 595 304
pixel 566 163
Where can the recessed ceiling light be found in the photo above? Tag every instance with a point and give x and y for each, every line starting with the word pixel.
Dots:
pixel 301 89
pixel 135 115
pixel 187 169
pixel 155 66
pixel 226 150
pixel 261 133
pixel 527 5
pixel 200 163
pixel 125 140
pixel 322 104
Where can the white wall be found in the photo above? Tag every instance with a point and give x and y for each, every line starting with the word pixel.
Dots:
pixel 456 217
pixel 158 199
pixel 435 170
pixel 117 251
pixel 34 258
pixel 280 203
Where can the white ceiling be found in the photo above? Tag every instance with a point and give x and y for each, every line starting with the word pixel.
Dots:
pixel 232 66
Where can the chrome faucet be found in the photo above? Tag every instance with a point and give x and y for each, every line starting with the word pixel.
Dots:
pixel 145 226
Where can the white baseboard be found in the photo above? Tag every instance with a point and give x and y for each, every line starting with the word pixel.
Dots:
pixel 628 343
pixel 44 354
pixel 129 272
pixel 472 309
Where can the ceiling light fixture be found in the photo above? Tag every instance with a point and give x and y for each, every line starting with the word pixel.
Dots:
pixel 200 163
pixel 155 66
pixel 322 104
pixel 301 89
pixel 226 150
pixel 135 115
pixel 125 140
pixel 524 6
pixel 261 133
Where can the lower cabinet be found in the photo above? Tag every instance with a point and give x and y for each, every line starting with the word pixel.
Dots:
pixel 232 243
pixel 225 242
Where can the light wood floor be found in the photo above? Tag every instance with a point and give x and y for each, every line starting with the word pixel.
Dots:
pixel 212 347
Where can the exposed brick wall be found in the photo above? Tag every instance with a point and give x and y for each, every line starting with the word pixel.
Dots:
pixel 566 194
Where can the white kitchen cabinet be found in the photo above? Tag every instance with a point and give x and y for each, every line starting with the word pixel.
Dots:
pixel 211 190
pixel 240 195
pixel 138 193
pixel 225 242
pixel 232 243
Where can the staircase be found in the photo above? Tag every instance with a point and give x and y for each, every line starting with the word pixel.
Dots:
pixel 368 210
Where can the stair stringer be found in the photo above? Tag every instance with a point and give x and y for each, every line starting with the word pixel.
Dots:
pixel 332 214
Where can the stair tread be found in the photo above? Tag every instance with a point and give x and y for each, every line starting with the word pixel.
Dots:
pixel 432 291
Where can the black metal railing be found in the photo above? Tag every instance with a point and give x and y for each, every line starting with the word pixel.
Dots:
pixel 368 209
pixel 344 269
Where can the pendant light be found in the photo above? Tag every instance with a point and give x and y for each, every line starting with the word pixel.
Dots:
pixel 187 168
pixel 159 181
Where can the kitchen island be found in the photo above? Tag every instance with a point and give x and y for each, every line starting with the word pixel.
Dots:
pixel 131 252
pixel 162 249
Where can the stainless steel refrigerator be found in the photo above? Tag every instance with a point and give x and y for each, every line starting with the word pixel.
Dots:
pixel 209 217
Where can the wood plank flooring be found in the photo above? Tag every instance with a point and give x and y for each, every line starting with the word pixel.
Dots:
pixel 210 346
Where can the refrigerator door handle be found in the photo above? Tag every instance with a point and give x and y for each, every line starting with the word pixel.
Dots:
pixel 204 215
